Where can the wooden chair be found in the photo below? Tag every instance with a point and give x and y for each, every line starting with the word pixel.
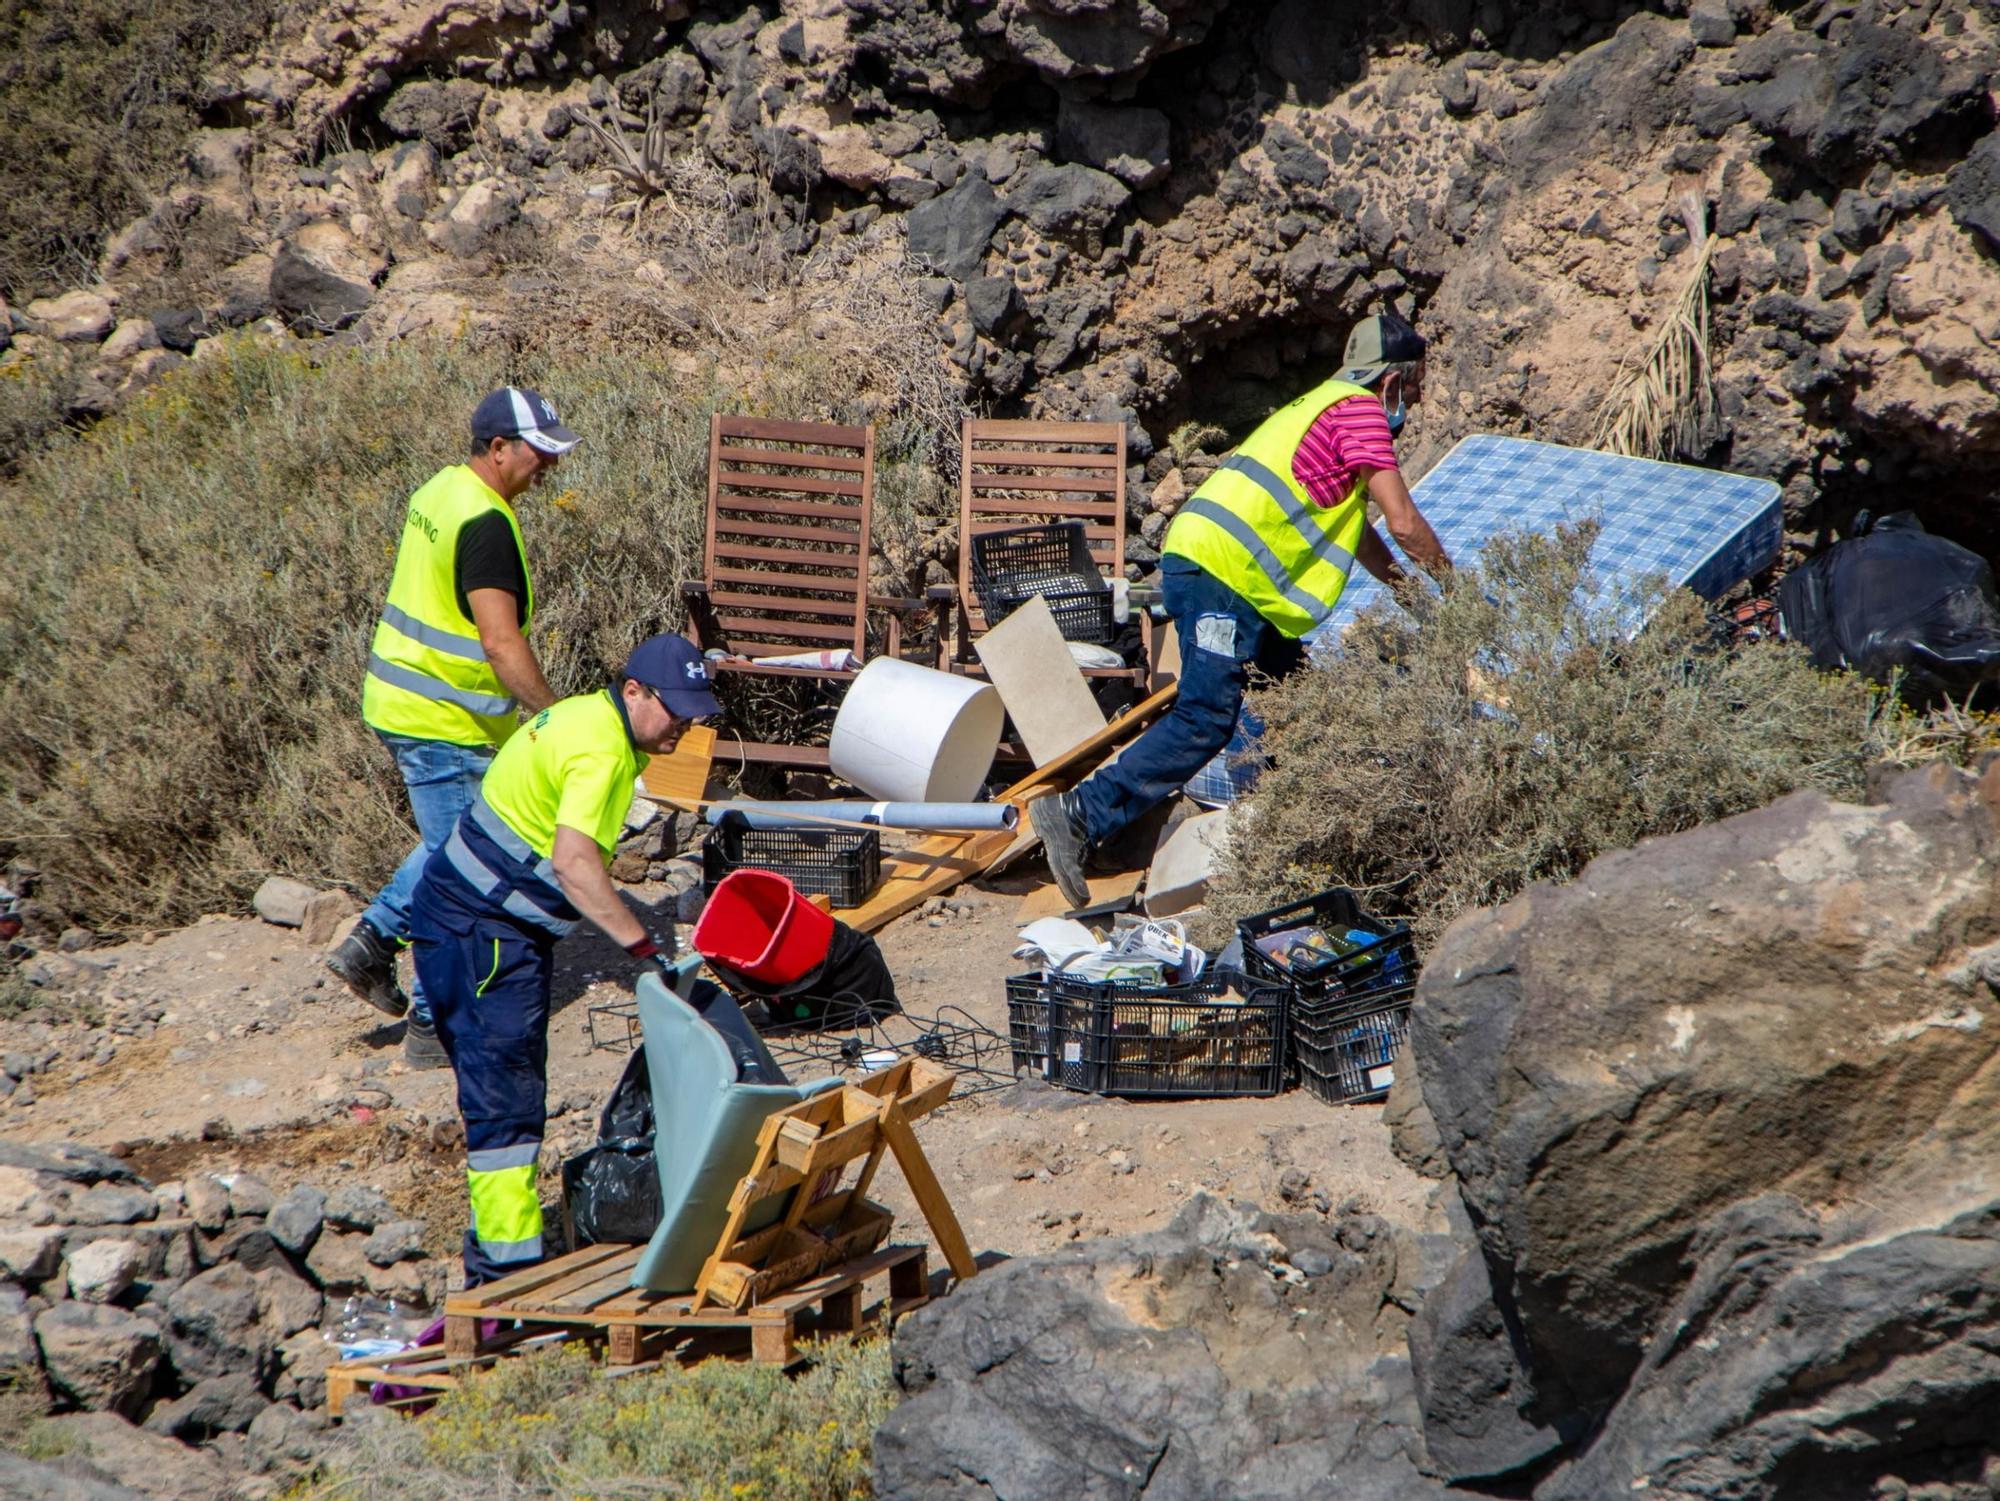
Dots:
pixel 785 568
pixel 1020 474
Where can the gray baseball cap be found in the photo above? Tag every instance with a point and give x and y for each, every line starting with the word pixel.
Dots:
pixel 1376 344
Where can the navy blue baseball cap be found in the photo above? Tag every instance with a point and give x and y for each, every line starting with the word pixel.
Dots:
pixel 672 667
pixel 517 412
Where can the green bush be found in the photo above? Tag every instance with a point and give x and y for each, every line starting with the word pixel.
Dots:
pixel 96 99
pixel 189 588
pixel 553 1424
pixel 1522 729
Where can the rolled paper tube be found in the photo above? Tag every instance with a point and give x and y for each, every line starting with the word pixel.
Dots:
pixel 954 818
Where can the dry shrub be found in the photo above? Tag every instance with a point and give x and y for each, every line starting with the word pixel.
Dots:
pixel 96 99
pixel 36 392
pixel 1521 730
pixel 189 589
pixel 553 1424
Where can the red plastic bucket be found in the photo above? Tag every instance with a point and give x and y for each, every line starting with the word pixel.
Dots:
pixel 758 924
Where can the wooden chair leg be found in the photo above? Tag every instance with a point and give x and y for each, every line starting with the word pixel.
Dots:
pixel 461 1335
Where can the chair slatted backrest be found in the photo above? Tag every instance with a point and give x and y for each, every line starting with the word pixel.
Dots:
pixel 789 510
pixel 1029 473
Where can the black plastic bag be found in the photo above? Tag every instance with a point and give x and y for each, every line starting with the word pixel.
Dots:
pixel 612 1190
pixel 1895 598
pixel 851 988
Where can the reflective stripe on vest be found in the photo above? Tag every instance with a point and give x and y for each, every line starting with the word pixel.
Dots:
pixel 468 647
pixel 429 687
pixel 1253 528
pixel 498 864
pixel 428 676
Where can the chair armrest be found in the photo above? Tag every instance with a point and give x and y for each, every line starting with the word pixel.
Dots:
pixel 941 594
pixel 901 604
pixel 694 586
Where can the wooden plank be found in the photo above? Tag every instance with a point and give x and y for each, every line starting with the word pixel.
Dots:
pixel 850 463
pixel 1056 509
pixel 682 776
pixel 802 484
pixel 833 435
pixel 779 604
pixel 803 629
pixel 1026 658
pixel 848 1274
pixel 993 429
pixel 1039 457
pixel 796 557
pixel 793 579
pixel 771 1344
pixel 840 535
pixel 837 516
pixel 983 483
pixel 555 1294
pixel 800 757
pixel 929 1194
pixel 472 1300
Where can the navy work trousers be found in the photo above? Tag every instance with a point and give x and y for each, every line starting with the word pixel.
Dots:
pixel 487 977
pixel 1221 638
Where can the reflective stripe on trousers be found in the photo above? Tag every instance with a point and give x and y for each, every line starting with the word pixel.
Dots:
pixel 506 1210
pixel 485 880
pixel 424 686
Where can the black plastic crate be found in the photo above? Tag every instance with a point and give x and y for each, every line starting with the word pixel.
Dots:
pixel 1011 567
pixel 1119 1038
pixel 842 865
pixel 1345 1051
pixel 1388 961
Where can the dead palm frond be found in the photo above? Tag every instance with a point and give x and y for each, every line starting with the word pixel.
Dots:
pixel 1660 408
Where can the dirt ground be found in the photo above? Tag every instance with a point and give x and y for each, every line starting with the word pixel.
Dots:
pixel 227 1046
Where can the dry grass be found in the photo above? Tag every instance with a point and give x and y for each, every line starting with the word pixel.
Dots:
pixel 189 590
pixel 1661 407
pixel 553 1425
pixel 1522 730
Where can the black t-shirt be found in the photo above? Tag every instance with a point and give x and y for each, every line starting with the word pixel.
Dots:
pixel 487 558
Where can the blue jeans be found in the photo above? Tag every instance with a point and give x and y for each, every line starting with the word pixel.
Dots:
pixel 1221 639
pixel 443 779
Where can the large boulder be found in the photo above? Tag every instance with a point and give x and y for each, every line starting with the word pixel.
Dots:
pixel 1795 1001
pixel 215 1324
pixel 951 231
pixel 1200 1360
pixel 1973 191
pixel 1127 142
pixel 322 278
pixel 1796 1364
pixel 1069 201
pixel 29 1480
pixel 98 1356
pixel 151 1464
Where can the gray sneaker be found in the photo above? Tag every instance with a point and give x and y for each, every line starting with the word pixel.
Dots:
pixel 366 964
pixel 1063 842
pixel 421 1048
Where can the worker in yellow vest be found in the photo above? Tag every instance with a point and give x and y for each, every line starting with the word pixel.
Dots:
pixel 1253 562
pixel 449 666
pixel 526 861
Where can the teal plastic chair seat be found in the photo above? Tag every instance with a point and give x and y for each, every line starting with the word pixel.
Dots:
pixel 710 1099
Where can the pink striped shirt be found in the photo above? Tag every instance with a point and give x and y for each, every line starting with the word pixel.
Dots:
pixel 1348 437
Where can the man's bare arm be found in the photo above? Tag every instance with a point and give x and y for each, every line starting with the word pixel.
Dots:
pixel 1374 555
pixel 497 614
pixel 580 872
pixel 1406 523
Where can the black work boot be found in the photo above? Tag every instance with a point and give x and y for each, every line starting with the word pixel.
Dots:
pixel 421 1048
pixel 1063 839
pixel 366 963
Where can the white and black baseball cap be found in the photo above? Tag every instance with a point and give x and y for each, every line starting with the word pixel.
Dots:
pixel 517 412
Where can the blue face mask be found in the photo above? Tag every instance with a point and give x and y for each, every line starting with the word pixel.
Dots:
pixel 1397 414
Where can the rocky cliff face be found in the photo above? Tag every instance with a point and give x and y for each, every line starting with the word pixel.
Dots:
pixel 1173 209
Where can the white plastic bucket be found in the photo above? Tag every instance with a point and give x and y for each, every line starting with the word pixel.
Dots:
pixel 909 734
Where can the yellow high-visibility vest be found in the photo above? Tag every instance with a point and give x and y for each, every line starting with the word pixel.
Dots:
pixel 428 676
pixel 1253 527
